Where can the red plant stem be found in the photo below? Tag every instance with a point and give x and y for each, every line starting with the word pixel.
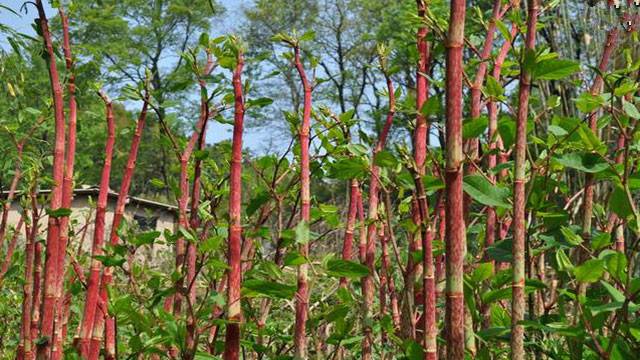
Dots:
pixel 194 223
pixel 362 241
pixel 391 285
pixel 234 315
pixel 440 261
pixel 347 246
pixel 37 289
pixel 455 236
pixel 421 134
pixel 53 227
pixel 183 201
pixel 519 225
pixel 93 282
pixel 596 88
pixel 25 350
pixel 101 319
pixel 10 249
pixel 384 278
pixel 613 217
pixel 420 153
pixel 373 217
pixel 17 174
pixel 302 293
pixel 428 282
pixel 492 109
pixel 67 188
pixel 476 92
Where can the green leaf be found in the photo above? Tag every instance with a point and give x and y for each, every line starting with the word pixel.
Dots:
pixel 58 213
pixel 601 241
pixel 555 69
pixel 270 289
pixel 350 168
pixel 616 294
pixel 616 264
pixel 473 128
pixel 32 111
pixel 414 351
pixel 587 162
pixel 588 102
pixel 619 203
pixel 111 261
pixel 493 87
pixel 145 238
pixel 482 272
pixel 346 268
pixel 571 237
pixel 260 102
pixel 495 295
pixel 630 109
pixel 486 193
pixel 302 233
pixel 308 36
pixel 294 258
pixel 507 130
pixel 385 158
pixel 589 272
pixel 563 261
pixel 432 183
pixel 204 39
pixel 431 106
pixel 256 202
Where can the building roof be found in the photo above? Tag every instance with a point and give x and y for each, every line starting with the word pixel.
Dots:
pixel 88 191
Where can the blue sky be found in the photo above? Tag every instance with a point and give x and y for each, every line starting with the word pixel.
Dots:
pixel 254 139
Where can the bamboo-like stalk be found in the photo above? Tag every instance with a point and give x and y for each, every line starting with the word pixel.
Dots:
pixel 492 159
pixel 10 249
pixel 102 324
pixel 182 265
pixel 455 235
pixel 596 88
pixel 519 196
pixel 493 112
pixel 476 86
pixel 37 275
pixel 51 275
pixel 234 315
pixel 420 153
pixel 194 223
pixel 25 349
pixel 93 281
pixel 373 217
pixel 347 245
pixel 67 187
pixel 302 293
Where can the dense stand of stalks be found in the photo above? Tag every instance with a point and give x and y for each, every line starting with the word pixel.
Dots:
pixel 373 215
